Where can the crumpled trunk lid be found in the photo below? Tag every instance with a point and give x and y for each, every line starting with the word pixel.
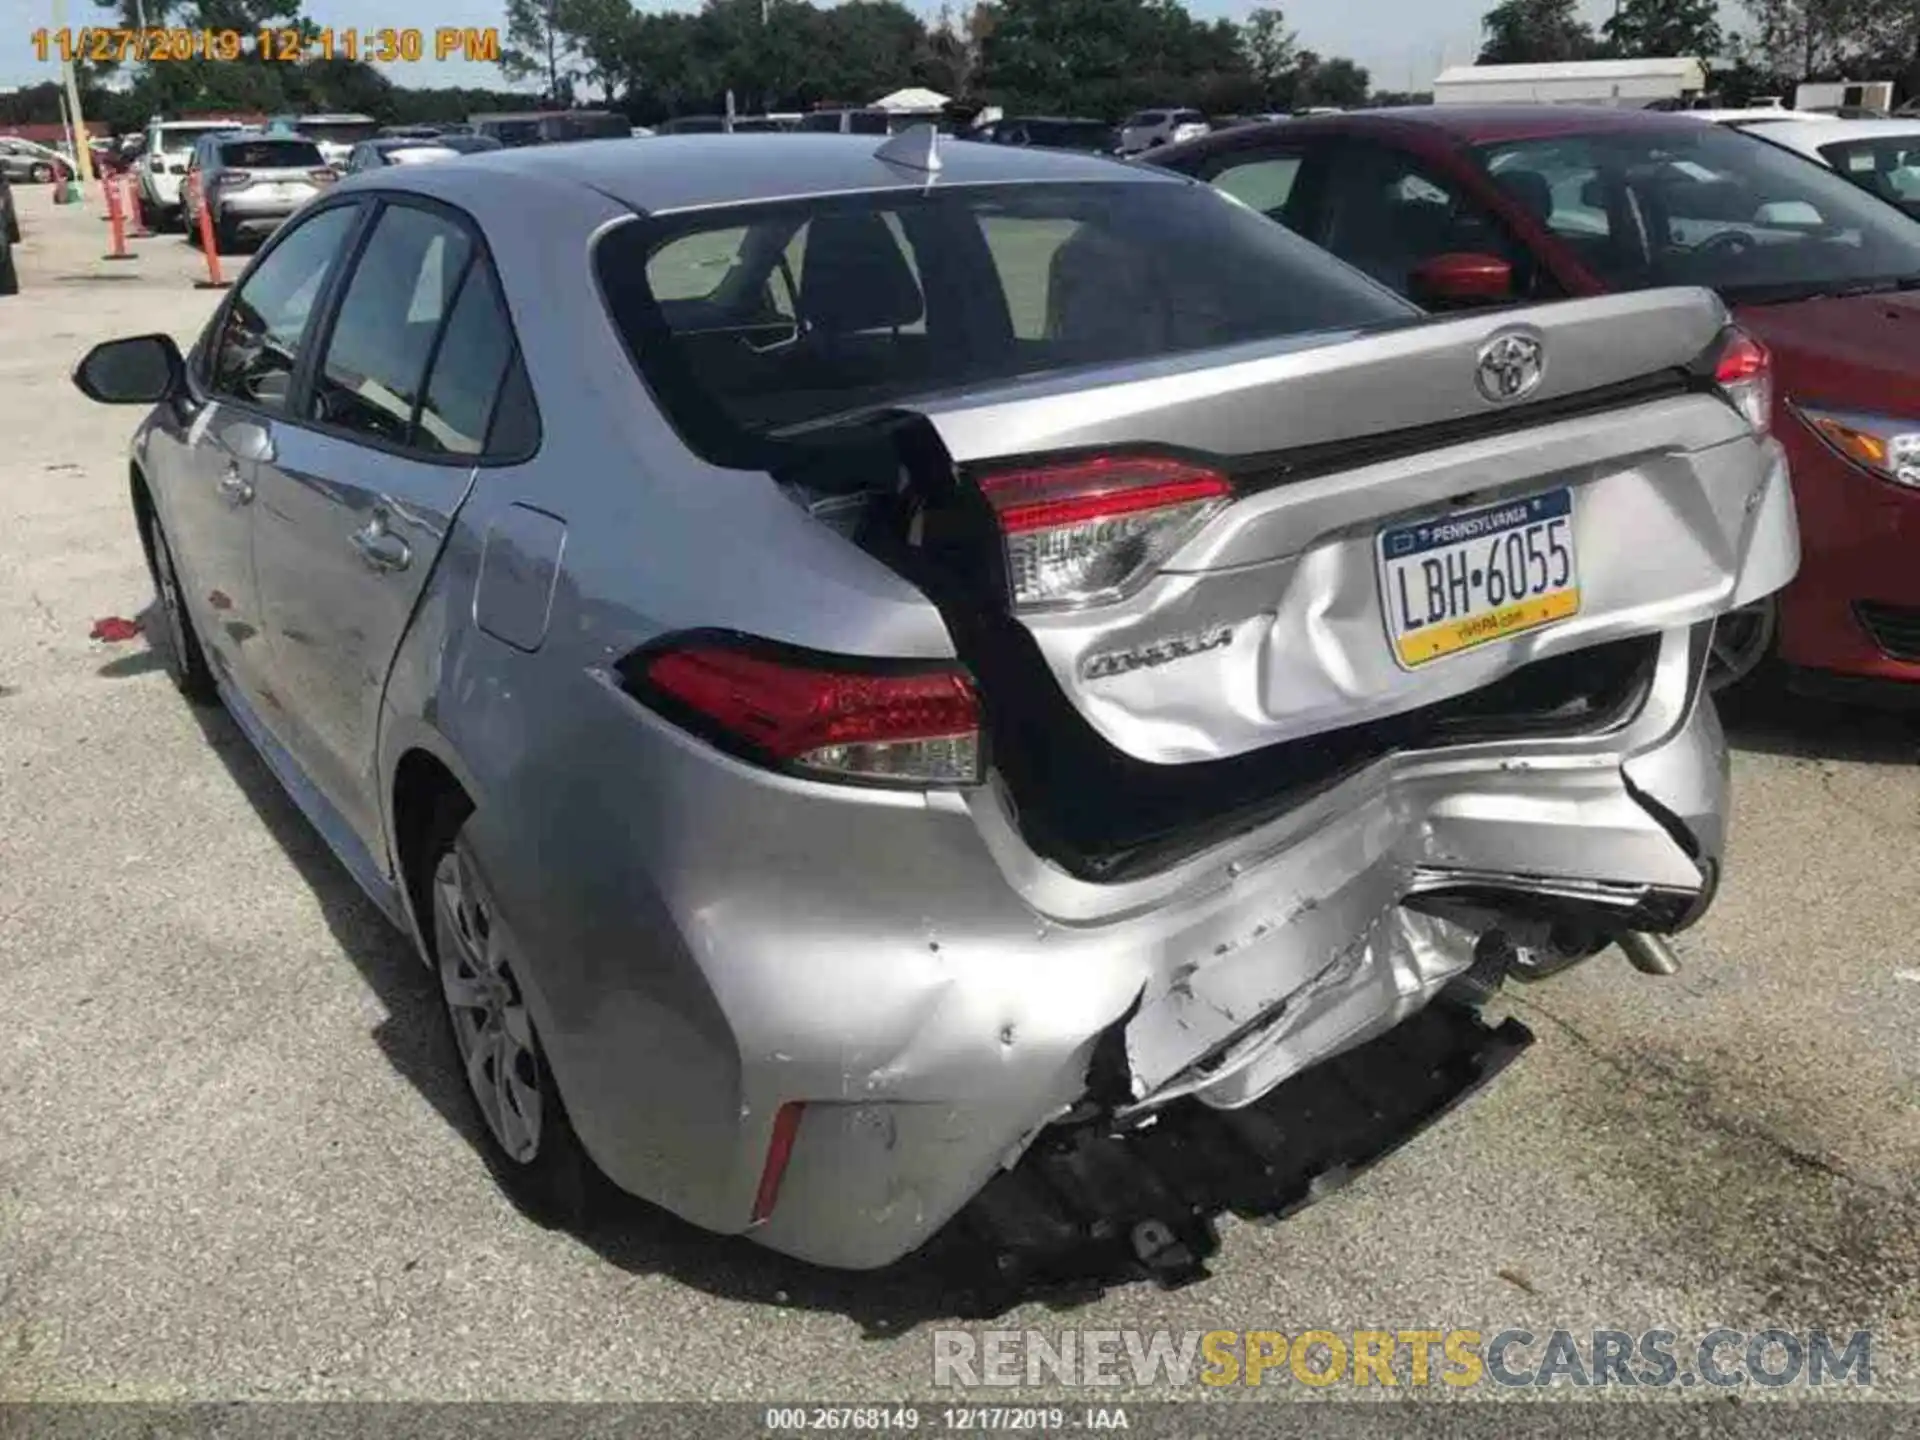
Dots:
pixel 1379 483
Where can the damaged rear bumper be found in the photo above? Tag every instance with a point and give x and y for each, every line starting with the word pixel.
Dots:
pixel 928 1060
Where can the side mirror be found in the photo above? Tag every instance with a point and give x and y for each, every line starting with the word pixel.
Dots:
pixel 1456 280
pixel 139 370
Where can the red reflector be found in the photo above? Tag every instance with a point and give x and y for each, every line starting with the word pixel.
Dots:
pixel 1742 358
pixel 786 1126
pixel 790 710
pixel 1099 487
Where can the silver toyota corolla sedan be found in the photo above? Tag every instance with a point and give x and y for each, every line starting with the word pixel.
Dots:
pixel 852 661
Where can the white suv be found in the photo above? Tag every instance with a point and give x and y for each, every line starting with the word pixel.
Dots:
pixel 1150 129
pixel 163 164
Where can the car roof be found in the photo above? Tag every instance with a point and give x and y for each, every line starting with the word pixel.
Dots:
pixel 1482 124
pixel 684 172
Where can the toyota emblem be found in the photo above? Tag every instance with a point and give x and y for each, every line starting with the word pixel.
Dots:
pixel 1510 367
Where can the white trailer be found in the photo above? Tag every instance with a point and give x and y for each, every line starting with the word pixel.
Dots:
pixel 1628 84
pixel 1845 95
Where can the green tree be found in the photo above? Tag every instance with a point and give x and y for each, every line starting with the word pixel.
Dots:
pixel 1337 82
pixel 1273 51
pixel 1665 27
pixel 1105 57
pixel 538 44
pixel 1521 32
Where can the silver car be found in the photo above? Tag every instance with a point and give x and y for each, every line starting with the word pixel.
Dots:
pixel 250 181
pixel 861 667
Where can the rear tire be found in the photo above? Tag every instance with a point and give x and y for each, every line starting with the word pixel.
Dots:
pixel 41 173
pixel 527 1139
pixel 180 647
pixel 226 239
pixel 1743 648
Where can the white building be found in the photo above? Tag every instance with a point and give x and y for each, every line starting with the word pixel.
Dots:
pixel 1629 84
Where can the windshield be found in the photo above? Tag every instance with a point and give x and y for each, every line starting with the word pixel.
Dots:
pixel 759 321
pixel 1706 206
pixel 271 154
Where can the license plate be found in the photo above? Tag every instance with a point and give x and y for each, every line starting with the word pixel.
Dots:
pixel 1453 582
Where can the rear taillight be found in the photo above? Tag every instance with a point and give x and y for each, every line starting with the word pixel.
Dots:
pixel 896 723
pixel 323 176
pixel 1744 372
pixel 1088 530
pixel 232 179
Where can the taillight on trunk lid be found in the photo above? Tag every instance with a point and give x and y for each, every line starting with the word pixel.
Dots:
pixel 1091 529
pixel 827 717
pixel 1743 371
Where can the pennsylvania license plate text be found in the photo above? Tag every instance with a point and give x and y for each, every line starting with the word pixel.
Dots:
pixel 1457 581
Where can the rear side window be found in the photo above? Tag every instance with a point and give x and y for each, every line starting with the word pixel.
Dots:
pixel 1265 184
pixel 821 122
pixel 868 122
pixel 805 311
pixel 375 364
pixel 471 358
pixel 272 154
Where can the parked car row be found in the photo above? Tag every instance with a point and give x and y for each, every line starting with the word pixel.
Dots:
pixel 31 161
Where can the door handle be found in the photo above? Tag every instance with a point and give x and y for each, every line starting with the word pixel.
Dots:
pixel 380 547
pixel 235 488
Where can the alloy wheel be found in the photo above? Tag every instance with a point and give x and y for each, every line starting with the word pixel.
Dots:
pixel 490 1021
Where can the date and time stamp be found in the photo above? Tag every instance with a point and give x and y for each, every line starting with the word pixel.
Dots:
pixel 101 45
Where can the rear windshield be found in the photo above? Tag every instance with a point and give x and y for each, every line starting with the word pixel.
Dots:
pixel 272 154
pixel 1703 205
pixel 513 132
pixel 1888 165
pixel 752 323
pixel 185 137
pixel 339 132
pixel 1072 134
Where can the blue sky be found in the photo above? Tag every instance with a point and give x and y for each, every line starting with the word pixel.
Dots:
pixel 1401 41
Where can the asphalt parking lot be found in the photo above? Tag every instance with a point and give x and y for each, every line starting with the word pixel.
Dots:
pixel 236 1160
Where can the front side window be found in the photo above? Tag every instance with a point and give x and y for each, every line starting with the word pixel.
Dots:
pixel 372 373
pixel 1385 213
pixel 1702 205
pixel 806 312
pixel 259 342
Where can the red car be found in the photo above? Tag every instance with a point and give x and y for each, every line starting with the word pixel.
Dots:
pixel 1471 206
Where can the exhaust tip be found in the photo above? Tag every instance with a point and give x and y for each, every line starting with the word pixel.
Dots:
pixel 1649 954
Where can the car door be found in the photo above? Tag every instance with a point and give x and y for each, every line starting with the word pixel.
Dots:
pixel 242 380
pixel 359 496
